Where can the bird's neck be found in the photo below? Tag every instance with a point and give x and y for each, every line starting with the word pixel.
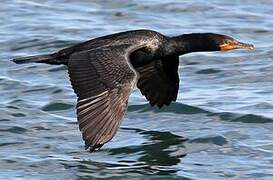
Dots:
pixel 196 42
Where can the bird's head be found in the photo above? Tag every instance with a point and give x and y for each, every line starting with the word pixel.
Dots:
pixel 227 43
pixel 202 42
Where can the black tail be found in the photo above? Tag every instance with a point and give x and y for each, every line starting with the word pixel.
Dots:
pixel 47 58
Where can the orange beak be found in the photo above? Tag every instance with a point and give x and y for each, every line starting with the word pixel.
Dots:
pixel 236 45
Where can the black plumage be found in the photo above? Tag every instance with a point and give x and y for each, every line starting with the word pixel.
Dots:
pixel 104 71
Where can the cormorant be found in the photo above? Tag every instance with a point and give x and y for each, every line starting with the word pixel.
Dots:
pixel 104 71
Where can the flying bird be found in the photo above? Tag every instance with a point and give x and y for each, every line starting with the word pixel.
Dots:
pixel 104 71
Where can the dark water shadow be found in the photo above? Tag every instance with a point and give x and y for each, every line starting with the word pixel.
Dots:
pixel 242 118
pixel 159 153
pixel 208 71
pixel 157 149
pixel 57 106
pixel 179 108
pixel 157 156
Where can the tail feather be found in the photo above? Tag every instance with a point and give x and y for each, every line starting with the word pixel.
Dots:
pixel 47 58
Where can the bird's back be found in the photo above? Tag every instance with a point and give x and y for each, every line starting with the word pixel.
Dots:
pixel 134 37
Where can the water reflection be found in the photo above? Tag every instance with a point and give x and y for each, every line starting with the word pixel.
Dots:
pixel 158 155
pixel 160 149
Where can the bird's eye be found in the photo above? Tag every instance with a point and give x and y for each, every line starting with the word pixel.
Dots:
pixel 226 41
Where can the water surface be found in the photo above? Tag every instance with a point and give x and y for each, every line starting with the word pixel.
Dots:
pixel 219 128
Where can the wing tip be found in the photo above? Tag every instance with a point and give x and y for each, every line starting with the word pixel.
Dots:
pixel 92 147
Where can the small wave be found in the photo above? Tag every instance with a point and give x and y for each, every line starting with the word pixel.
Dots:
pixel 217 140
pixel 34 90
pixel 57 107
pixel 192 63
pixel 244 118
pixel 251 118
pixel 18 115
pixel 40 128
pixel 208 71
pixel 10 143
pixel 12 107
pixel 176 108
pixel 15 129
pixel 4 120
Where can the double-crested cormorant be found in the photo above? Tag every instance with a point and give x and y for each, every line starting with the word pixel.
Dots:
pixel 103 72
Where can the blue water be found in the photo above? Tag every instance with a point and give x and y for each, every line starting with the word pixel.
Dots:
pixel 220 128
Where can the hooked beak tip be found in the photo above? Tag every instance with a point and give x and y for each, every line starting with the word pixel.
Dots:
pixel 246 46
pixel 236 45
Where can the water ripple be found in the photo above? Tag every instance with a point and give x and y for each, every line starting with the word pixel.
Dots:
pixel 217 140
pixel 220 127
pixel 177 108
pixel 57 106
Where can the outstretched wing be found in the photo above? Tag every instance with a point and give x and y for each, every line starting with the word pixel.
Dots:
pixel 103 81
pixel 159 80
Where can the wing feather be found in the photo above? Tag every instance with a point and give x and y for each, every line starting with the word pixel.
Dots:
pixel 159 81
pixel 103 80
